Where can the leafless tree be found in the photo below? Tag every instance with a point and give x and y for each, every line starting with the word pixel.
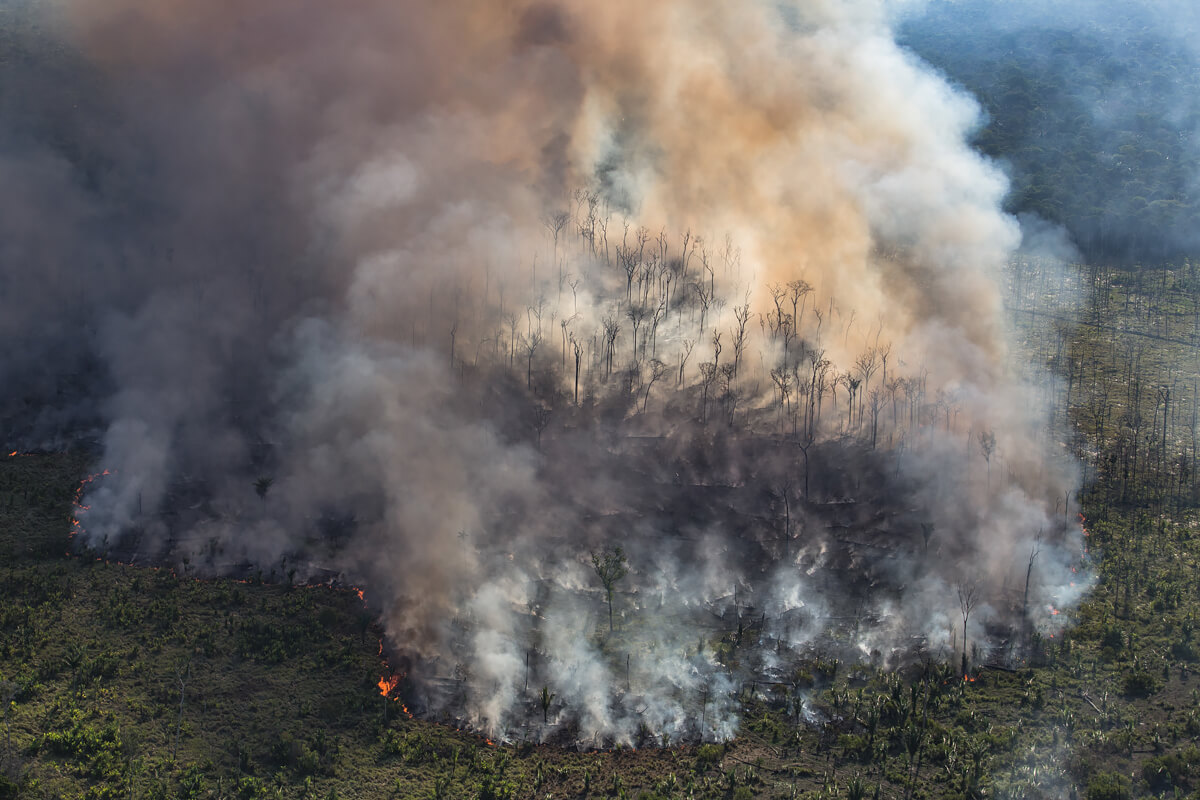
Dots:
pixel 531 345
pixel 554 223
pixel 968 598
pixel 1034 552
pixel 637 315
pixel 708 373
pixel 742 315
pixel 541 419
pixel 611 329
pixel 703 299
pixel 577 346
pixel 783 380
pixel 656 317
pixel 798 291
pixel 688 344
pixel 657 370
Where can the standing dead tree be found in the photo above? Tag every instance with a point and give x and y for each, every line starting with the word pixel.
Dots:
pixel 1034 552
pixel 578 347
pixel 611 329
pixel 968 598
pixel 688 344
pixel 657 370
pixel 708 374
pixel 742 315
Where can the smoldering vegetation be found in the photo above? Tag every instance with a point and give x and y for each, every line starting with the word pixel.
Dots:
pixel 624 355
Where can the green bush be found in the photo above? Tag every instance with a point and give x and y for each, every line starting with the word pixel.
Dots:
pixel 1171 770
pixel 709 754
pixel 1139 683
pixel 1108 786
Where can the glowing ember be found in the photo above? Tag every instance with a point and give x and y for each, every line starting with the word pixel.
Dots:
pixel 13 453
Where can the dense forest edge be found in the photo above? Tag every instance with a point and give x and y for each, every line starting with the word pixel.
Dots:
pixel 1092 108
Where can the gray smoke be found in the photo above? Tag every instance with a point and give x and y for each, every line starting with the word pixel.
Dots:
pixel 361 251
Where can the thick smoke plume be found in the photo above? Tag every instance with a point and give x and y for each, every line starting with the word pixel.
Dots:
pixel 447 297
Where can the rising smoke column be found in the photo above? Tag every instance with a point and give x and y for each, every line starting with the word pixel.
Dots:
pixel 318 244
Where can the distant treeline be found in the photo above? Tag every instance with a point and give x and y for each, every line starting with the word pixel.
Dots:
pixel 1096 116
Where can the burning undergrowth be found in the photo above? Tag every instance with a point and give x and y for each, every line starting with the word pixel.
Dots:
pixel 625 355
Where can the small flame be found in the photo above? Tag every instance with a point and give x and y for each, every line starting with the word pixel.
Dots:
pixel 13 453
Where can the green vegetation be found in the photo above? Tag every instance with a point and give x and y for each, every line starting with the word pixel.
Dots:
pixel 127 681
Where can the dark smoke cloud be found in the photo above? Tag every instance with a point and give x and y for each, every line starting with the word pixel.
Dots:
pixel 317 245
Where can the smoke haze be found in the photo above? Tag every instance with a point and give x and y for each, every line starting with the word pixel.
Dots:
pixel 449 274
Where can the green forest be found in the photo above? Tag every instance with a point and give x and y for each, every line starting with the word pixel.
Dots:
pixel 1095 115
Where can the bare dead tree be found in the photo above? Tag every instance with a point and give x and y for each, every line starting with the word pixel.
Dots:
pixel 627 258
pixel 782 379
pixel 564 324
pixel 708 373
pixel 541 419
pixel 703 299
pixel 656 317
pixel 788 330
pixel 866 363
pixel 657 370
pixel 1034 552
pixel 742 315
pixel 688 344
pixel 578 348
pixel 531 345
pixel 637 315
pixel 554 223
pixel 968 598
pixel 798 291
pixel 785 493
pixel 876 401
pixel 611 329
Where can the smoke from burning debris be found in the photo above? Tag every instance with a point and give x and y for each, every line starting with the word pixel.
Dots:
pixel 470 291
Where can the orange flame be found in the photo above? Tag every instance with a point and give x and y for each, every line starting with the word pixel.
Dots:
pixel 386 684
pixel 13 453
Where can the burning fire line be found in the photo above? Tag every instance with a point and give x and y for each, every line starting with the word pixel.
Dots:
pixel 387 684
